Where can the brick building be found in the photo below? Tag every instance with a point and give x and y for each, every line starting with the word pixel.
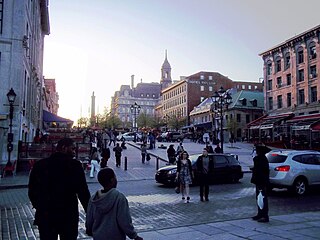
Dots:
pixel 291 73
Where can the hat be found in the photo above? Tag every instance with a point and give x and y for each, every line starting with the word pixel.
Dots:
pixel 262 148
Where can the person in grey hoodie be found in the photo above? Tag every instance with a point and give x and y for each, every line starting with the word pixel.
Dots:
pixel 108 214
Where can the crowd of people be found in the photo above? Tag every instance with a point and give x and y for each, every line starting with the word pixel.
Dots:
pixel 56 183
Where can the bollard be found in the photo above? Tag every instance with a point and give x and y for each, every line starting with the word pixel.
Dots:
pixel 157 163
pixel 125 163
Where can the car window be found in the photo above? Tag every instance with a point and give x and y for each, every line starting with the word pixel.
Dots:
pixel 276 158
pixel 313 159
pixel 220 161
pixel 232 160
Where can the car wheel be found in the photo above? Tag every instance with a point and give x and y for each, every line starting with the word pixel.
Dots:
pixel 299 186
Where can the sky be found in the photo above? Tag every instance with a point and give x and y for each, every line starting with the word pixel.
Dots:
pixel 95 46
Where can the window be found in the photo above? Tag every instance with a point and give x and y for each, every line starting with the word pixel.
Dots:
pixel 269 84
pixel 202 77
pixel 247 118
pixel 301 75
pixel 220 161
pixel 279 82
pixel 1 15
pixel 270 103
pixel 238 117
pixel 201 88
pixel 243 86
pixel 278 65
pixel 289 99
pixel 210 77
pixel 313 71
pixel 279 101
pixel 243 101
pixel 314 97
pixel 312 52
pixel 269 68
pixel 287 61
pixel 300 56
pixel 301 96
pixel 288 79
pixel 210 88
pixel 249 87
pixel 254 102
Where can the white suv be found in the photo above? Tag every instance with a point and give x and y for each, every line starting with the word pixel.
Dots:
pixel 294 169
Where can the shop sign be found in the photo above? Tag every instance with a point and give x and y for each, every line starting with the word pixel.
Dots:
pixel 303 127
pixel 266 126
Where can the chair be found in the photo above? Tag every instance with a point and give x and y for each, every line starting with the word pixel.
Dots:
pixel 11 168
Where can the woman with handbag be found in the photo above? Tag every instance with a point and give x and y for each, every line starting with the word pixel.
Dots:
pixel 184 175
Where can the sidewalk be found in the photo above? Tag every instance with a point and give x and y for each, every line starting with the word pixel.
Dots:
pixel 292 226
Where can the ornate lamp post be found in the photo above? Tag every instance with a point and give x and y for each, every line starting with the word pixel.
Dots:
pixel 221 100
pixel 135 110
pixel 11 95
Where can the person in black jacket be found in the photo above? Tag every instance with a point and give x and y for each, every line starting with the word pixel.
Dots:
pixel 171 153
pixel 204 166
pixel 55 184
pixel 260 177
pixel 118 153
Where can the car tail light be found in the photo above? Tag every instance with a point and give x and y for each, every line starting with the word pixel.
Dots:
pixel 282 168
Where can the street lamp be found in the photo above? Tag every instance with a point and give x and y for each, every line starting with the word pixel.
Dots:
pixel 220 100
pixel 135 110
pixel 11 95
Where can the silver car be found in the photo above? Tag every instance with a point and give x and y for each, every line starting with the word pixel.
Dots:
pixel 294 169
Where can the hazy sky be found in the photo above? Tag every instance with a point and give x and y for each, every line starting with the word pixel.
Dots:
pixel 97 45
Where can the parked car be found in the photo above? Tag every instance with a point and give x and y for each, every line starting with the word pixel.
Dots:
pixel 226 168
pixel 170 137
pixel 128 136
pixel 295 170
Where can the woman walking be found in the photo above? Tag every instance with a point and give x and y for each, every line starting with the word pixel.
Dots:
pixel 184 175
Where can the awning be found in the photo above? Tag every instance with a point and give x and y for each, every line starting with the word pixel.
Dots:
pixel 204 125
pixel 50 117
pixel 305 122
pixel 266 126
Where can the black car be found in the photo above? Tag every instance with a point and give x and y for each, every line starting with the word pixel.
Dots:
pixel 226 169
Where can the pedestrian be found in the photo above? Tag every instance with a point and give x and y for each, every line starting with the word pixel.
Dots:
pixel 143 153
pixel 171 153
pixel 218 149
pixel 55 185
pixel 108 211
pixel 117 153
pixel 209 148
pixel 184 175
pixel 206 138
pixel 204 166
pixel 112 138
pixel 94 162
pixel 260 177
pixel 106 139
pixel 123 144
pixel 105 157
pixel 180 149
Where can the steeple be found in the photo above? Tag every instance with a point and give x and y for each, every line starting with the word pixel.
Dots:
pixel 165 73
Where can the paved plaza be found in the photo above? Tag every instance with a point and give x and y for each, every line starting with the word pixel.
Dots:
pixel 161 215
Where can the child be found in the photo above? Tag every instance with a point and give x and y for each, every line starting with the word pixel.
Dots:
pixel 108 214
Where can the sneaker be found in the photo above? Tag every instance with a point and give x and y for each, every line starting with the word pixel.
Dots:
pixel 201 199
pixel 188 199
pixel 183 198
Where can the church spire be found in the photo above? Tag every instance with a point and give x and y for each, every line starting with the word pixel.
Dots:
pixel 165 72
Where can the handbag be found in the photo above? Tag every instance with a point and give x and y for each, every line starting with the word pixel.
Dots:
pixel 177 188
pixel 260 200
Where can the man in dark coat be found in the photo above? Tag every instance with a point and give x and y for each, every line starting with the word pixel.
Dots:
pixel 260 177
pixel 118 153
pixel 55 184
pixel 204 166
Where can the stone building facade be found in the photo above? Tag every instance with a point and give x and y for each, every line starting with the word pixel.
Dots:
pixel 23 26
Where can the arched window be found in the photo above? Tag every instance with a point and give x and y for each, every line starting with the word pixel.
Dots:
pixel 300 55
pixel 312 51
pixel 286 60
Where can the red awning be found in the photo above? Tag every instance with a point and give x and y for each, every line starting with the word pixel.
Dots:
pixel 316 126
pixel 305 118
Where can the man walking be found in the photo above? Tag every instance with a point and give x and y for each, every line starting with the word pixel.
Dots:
pixel 204 165
pixel 55 184
pixel 117 153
